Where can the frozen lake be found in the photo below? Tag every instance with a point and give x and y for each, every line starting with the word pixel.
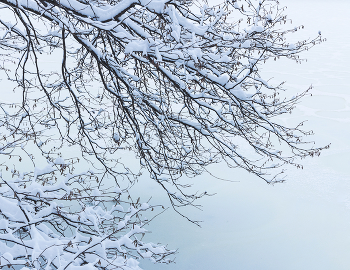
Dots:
pixel 305 222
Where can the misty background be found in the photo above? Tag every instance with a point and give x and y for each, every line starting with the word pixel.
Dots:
pixel 303 223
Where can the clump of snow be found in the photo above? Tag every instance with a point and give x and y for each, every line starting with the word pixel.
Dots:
pixel 137 46
pixel 239 93
pixel 59 161
pixel 246 44
pixel 195 53
pixel 256 28
pixel 227 36
pixel 95 192
pixel 144 206
pixel 46 170
pixel 292 47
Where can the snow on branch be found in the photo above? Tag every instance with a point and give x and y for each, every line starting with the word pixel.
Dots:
pixel 178 85
pixel 55 220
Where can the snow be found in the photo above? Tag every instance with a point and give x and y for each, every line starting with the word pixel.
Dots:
pixel 246 44
pixel 310 212
pixel 47 169
pixel 255 28
pixel 227 37
pixel 59 161
pixel 44 241
pixel 195 53
pixel 144 206
pixel 137 46
pixel 292 46
pixel 239 93
pixel 117 190
pixel 7 258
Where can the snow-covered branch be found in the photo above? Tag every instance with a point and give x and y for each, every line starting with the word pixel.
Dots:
pixel 178 85
pixel 51 219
